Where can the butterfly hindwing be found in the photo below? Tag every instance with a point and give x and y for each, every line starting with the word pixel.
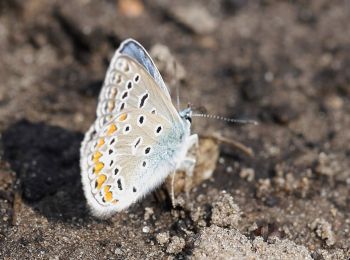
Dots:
pixel 126 159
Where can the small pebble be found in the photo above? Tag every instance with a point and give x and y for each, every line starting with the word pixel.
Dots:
pixel 118 251
pixel 248 174
pixel 145 229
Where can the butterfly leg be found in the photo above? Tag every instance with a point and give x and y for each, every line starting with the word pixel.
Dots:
pixel 188 164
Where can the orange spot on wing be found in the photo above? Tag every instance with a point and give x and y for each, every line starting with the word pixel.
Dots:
pixel 123 116
pixel 100 142
pixel 108 194
pixel 96 156
pixel 98 167
pixel 112 129
pixel 107 188
pixel 100 180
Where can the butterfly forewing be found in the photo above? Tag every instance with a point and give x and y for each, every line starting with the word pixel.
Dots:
pixel 136 51
pixel 129 86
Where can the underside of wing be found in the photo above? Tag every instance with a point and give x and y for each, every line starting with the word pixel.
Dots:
pixel 131 146
pixel 135 50
pixel 129 86
pixel 127 158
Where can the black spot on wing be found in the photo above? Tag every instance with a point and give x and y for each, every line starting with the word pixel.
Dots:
pixel 119 183
pixel 143 100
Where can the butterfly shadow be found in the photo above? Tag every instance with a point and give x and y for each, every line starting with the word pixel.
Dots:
pixel 46 162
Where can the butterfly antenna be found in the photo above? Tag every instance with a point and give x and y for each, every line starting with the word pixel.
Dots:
pixel 230 120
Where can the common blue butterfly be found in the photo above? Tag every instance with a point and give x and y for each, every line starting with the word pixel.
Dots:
pixel 138 138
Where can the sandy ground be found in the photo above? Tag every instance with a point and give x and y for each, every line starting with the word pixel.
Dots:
pixel 284 63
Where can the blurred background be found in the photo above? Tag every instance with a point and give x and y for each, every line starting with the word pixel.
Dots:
pixel 283 63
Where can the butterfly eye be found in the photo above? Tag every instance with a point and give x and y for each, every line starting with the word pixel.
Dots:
pixel 189 119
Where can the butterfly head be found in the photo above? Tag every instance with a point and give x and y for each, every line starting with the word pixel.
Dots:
pixel 186 116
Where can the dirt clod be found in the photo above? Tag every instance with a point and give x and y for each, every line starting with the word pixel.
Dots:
pixel 225 212
pixel 248 174
pixel 163 238
pixel 176 245
pixel 219 243
pixel 323 230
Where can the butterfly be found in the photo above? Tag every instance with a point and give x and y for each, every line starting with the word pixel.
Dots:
pixel 138 137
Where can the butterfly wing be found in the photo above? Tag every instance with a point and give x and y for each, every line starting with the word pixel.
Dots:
pixel 127 87
pixel 135 50
pixel 134 142
pixel 129 157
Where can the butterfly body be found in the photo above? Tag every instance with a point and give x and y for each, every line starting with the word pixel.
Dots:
pixel 138 138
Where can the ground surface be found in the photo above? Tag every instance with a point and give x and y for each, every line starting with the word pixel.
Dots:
pixel 285 63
